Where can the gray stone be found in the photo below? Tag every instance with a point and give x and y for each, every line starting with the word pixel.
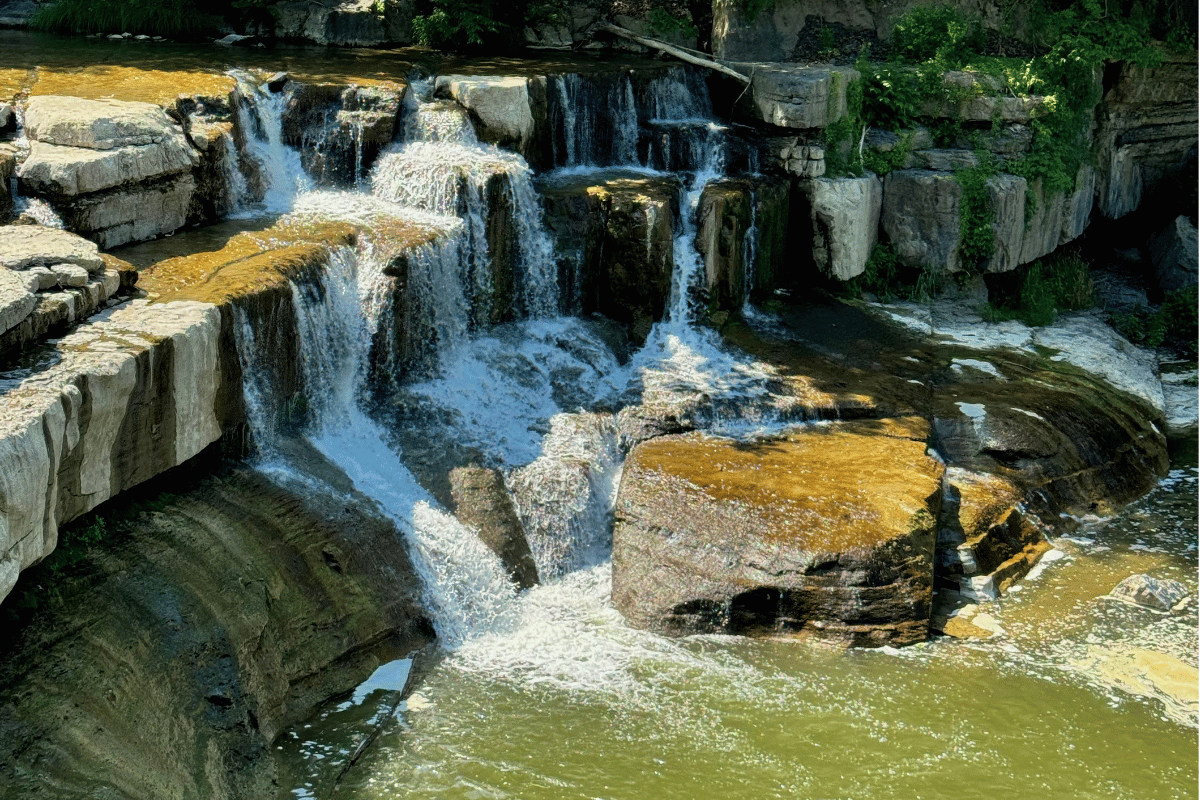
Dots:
pixel 16 13
pixel 500 107
pixel 28 246
pixel 770 35
pixel 945 160
pixel 43 277
pixel 1007 195
pixel 482 503
pixel 69 275
pixel 1077 206
pixel 76 433
pixel 920 216
pixel 16 299
pixel 1043 231
pixel 8 120
pixel 353 23
pixel 97 124
pixel 796 96
pixel 1175 256
pixel 60 171
pixel 1158 593
pixel 139 213
pixel 845 215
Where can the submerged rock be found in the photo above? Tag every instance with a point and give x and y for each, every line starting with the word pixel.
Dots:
pixel 1161 594
pixel 828 532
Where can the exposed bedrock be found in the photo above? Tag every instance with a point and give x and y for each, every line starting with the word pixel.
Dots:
pixel 828 531
pixel 173 658
pixel 510 112
pixel 622 230
pixel 1147 126
pixel 116 171
pixel 1026 436
pixel 124 397
pixel 741 235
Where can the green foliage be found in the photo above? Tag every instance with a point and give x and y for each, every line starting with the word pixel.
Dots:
pixel 457 24
pixel 663 23
pixel 891 95
pixel 750 8
pixel 172 18
pixel 1174 322
pixel 928 33
pixel 888 279
pixel 881 163
pixel 976 239
pixel 1050 285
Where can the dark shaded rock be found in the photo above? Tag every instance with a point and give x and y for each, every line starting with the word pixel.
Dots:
pixel 8 120
pixel 1174 253
pixel 828 532
pixel 724 221
pixel 622 229
pixel 340 129
pixel 482 502
pixel 177 652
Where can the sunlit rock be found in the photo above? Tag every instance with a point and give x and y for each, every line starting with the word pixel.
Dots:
pixel 845 214
pixel 920 216
pixel 1161 594
pixel 828 531
pixel 794 96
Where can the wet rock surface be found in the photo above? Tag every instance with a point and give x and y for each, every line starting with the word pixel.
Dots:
pixel 482 502
pixel 168 660
pixel 827 531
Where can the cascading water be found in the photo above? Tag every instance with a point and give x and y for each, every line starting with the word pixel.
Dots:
pixel 260 118
pixel 588 697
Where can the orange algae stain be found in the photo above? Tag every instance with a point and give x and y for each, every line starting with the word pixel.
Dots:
pixel 145 85
pixel 837 487
pixel 14 82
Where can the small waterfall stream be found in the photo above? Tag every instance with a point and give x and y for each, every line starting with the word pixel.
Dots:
pixel 512 381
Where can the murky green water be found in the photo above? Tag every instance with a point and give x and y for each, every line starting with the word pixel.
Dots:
pixel 570 703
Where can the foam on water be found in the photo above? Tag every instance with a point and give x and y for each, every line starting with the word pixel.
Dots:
pixel 260 117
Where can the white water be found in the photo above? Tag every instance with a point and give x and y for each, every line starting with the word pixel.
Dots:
pixel 260 118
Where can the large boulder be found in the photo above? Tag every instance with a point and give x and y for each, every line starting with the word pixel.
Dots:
pixel 724 222
pixel 920 217
pixel 506 110
pixel 351 23
pixel 794 96
pixel 623 230
pixel 117 171
pixel 828 531
pixel 845 216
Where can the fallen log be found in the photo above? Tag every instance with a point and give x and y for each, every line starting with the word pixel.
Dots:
pixel 672 50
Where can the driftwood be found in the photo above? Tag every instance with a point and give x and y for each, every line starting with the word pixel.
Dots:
pixel 671 50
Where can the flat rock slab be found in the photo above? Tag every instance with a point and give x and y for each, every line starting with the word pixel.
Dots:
pixel 96 124
pixel 828 531
pixel 27 246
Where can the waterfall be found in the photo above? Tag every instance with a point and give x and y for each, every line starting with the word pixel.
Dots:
pixel 260 119
pixel 596 118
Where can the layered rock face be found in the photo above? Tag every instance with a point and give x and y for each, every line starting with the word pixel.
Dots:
pixel 129 395
pixel 829 532
pixel 174 658
pixel 51 279
pixel 117 171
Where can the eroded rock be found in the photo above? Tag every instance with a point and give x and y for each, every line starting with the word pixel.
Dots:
pixel 1161 594
pixel 828 531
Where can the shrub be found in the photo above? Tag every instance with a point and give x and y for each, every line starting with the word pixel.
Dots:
pixel 937 32
pixel 1061 282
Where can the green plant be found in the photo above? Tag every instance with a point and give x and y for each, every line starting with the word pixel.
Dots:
pixel 663 23
pixel 927 33
pixel 1061 282
pixel 880 276
pixel 976 239
pixel 1174 322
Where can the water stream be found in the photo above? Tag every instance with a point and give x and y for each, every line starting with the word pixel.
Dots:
pixel 547 693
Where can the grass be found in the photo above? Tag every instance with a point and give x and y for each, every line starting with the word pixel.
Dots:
pixel 169 18
pixel 1061 282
